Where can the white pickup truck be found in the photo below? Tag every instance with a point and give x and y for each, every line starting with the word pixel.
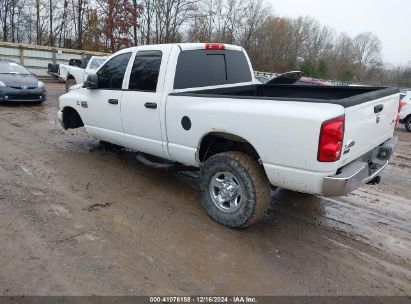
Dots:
pixel 73 75
pixel 198 105
pixel 405 114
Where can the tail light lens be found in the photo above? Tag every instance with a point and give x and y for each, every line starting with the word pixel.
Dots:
pixel 214 46
pixel 402 104
pixel 331 140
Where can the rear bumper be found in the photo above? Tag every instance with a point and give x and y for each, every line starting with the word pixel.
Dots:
pixel 361 171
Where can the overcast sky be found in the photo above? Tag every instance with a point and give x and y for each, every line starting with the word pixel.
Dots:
pixel 390 20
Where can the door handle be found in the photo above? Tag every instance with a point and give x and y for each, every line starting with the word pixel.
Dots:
pixel 378 108
pixel 150 105
pixel 113 101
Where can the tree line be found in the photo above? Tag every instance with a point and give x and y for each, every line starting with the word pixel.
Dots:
pixel 274 43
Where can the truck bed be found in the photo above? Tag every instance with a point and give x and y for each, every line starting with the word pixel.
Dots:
pixel 346 96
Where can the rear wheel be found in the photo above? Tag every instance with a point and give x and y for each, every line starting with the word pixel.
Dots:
pixel 69 83
pixel 407 123
pixel 234 189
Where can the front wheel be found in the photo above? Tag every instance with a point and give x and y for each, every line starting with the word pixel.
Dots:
pixel 407 123
pixel 234 189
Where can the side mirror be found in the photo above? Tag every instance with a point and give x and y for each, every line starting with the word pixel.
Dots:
pixel 91 82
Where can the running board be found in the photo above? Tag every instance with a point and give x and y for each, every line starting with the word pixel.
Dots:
pixel 164 164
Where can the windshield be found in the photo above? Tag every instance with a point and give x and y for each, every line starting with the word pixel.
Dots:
pixel 12 68
pixel 96 63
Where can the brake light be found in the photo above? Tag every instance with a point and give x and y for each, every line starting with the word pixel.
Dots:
pixel 214 46
pixel 331 140
pixel 402 104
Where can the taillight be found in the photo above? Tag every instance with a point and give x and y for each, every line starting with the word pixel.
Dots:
pixel 331 140
pixel 402 104
pixel 214 46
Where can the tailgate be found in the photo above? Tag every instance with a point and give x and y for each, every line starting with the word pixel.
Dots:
pixel 368 125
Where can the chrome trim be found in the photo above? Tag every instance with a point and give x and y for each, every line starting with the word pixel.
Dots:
pixel 356 173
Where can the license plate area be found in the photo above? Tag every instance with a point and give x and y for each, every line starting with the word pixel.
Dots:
pixel 381 154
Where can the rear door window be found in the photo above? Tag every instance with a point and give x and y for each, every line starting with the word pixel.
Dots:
pixel 145 71
pixel 111 75
pixel 200 68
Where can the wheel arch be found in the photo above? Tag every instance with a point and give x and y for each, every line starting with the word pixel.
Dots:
pixel 407 119
pixel 217 142
pixel 71 118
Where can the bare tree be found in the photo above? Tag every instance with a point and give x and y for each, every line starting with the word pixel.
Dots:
pixel 367 51
pixel 4 16
pixel 255 15
pixel 274 43
pixel 319 42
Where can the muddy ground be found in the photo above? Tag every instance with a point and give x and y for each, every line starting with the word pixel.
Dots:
pixel 76 219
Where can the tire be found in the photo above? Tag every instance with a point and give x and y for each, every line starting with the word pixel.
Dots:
pixel 69 83
pixel 235 175
pixel 36 103
pixel 407 123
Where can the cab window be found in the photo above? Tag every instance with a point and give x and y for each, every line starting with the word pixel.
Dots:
pixel 201 68
pixel 145 71
pixel 111 75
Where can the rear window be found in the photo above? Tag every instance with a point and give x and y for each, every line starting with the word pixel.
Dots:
pixel 201 68
pixel 96 63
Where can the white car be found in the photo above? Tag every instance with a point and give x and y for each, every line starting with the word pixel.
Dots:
pixel 197 105
pixel 405 114
pixel 73 75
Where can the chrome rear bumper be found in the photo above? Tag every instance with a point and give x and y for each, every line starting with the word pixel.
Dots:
pixel 361 171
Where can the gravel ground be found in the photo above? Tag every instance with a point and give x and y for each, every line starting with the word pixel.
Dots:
pixel 76 219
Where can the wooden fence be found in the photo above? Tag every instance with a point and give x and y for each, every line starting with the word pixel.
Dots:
pixel 36 58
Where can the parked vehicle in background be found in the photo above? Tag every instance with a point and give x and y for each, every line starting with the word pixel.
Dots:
pixel 262 79
pixel 405 113
pixel 18 85
pixel 295 78
pixel 73 74
pixel 312 82
pixel 196 107
pixel 286 78
pixel 53 69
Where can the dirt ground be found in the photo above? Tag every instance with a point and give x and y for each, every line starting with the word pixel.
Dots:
pixel 76 219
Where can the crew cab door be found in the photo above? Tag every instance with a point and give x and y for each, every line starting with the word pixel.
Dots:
pixel 141 103
pixel 101 109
